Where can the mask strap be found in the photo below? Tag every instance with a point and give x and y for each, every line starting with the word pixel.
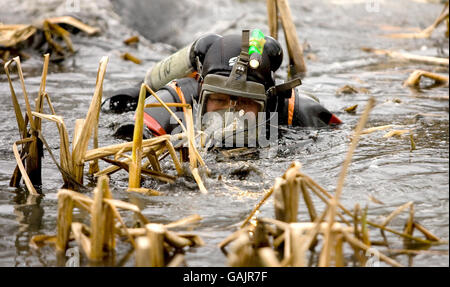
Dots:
pixel 239 72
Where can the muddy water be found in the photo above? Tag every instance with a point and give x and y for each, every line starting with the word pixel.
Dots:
pixel 334 32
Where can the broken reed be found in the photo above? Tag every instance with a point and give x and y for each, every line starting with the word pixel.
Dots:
pixel 415 77
pixel 71 166
pixel 154 244
pixel 32 150
pixel 297 66
pixel 136 154
pixel 195 158
pixel 426 33
pixel 51 29
pixel 90 123
pixel 250 248
pixel 287 244
pixel 409 57
pixel 72 163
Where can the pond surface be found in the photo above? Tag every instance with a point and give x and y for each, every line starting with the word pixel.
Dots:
pixel 333 32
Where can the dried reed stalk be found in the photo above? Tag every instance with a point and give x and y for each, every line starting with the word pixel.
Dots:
pixel 174 157
pixel 187 220
pixel 54 29
pixel 396 212
pixel 232 237
pixel 415 77
pixel 346 211
pixel 175 240
pixel 99 237
pixel 176 261
pixel 314 188
pixel 375 129
pixel 425 33
pixel 410 57
pixel 61 32
pixel 294 48
pixel 242 253
pixel 373 224
pixel 153 160
pixel 65 157
pixel 311 235
pixel 21 167
pixel 93 165
pixel 396 133
pixel 272 16
pixel 34 166
pixel 257 207
pixel 416 252
pixel 268 257
pixel 91 121
pixel 155 233
pixel 102 221
pixel 123 147
pixel 75 23
pixel 79 229
pixel 308 201
pixel 131 40
pixel 40 98
pixel 129 57
pixel 355 242
pixel 18 112
pixel 33 148
pixel 173 105
pixel 430 236
pixel 64 221
pixel 286 198
pixel 404 235
pixel 298 253
pixel 325 255
pixel 142 253
pixel 364 229
pixel 339 251
pixel 194 156
pixel 136 232
pixel 134 180
pixel 409 226
pixel 411 140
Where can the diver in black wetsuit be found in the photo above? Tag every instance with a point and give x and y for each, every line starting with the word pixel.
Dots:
pixel 214 75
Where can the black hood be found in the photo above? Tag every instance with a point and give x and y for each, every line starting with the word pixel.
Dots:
pixel 223 53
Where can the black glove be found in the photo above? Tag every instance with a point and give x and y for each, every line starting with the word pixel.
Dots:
pixel 122 101
pixel 125 128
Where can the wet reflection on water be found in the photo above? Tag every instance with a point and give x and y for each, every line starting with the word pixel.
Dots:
pixel 29 213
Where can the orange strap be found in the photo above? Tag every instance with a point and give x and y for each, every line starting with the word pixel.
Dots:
pixel 194 75
pixel 174 85
pixel 291 107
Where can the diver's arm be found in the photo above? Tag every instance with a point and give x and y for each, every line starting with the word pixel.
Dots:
pixel 158 120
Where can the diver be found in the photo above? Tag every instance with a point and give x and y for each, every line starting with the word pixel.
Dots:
pixel 224 79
